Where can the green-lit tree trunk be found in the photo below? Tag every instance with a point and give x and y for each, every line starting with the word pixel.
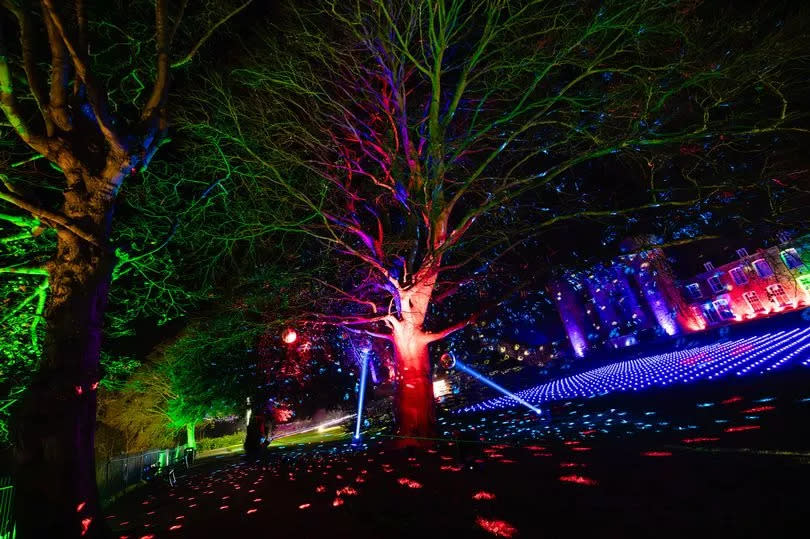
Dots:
pixel 54 429
pixel 191 440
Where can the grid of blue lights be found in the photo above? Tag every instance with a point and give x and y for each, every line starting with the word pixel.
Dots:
pixel 752 355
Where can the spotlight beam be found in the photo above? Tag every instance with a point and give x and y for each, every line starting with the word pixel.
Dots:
pixel 490 383
pixel 361 395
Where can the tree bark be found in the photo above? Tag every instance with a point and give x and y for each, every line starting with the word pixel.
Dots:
pixel 416 417
pixel 56 492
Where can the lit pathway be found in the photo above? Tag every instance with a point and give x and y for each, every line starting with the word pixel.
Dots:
pixel 753 355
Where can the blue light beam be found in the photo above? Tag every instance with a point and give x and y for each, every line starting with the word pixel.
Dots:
pixel 490 383
pixel 362 394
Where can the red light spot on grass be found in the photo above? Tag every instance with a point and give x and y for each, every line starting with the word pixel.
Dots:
pixel 483 495
pixel 251 511
pixel 732 400
pixel 337 501
pixel 757 409
pixel 410 483
pixel 175 527
pixel 447 468
pixel 86 525
pixel 579 479
pixel 535 448
pixel 80 506
pixel 347 491
pixel 657 453
pixel 223 507
pixel 500 528
pixel 741 429
pixel 580 448
pixel 699 440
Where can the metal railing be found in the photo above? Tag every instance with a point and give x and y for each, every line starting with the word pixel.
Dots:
pixel 117 474
pixel 7 528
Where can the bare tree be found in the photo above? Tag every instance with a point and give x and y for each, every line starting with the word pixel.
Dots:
pixel 450 131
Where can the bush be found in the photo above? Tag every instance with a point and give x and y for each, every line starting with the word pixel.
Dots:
pixel 206 444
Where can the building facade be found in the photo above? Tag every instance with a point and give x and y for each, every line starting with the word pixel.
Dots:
pixel 622 302
pixel 635 298
pixel 764 283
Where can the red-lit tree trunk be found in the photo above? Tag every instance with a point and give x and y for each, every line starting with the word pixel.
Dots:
pixel 416 418
pixel 55 462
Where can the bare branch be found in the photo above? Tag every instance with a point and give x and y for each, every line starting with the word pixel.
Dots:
pixel 188 57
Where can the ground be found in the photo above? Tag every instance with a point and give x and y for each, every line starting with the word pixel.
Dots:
pixel 727 458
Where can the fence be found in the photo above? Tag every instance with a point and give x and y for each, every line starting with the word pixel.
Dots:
pixel 117 474
pixel 7 528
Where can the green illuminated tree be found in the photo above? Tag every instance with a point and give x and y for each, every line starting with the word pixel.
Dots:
pixel 452 132
pixel 96 116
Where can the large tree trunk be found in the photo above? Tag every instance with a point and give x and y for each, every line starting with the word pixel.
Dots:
pixel 55 479
pixel 416 417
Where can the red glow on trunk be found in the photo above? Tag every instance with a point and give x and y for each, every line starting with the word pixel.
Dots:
pixel 86 525
pixel 416 419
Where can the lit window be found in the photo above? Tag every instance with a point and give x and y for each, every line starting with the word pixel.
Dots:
pixel 710 313
pixel 762 268
pixel 723 309
pixel 738 274
pixel 753 301
pixel 716 284
pixel 791 259
pixel 777 294
pixel 694 290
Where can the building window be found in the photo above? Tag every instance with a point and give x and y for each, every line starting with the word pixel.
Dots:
pixel 791 259
pixel 710 314
pixel 738 274
pixel 753 302
pixel 723 309
pixel 777 294
pixel 716 284
pixel 804 282
pixel 694 290
pixel 762 268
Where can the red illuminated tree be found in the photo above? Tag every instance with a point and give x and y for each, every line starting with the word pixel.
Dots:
pixel 450 132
